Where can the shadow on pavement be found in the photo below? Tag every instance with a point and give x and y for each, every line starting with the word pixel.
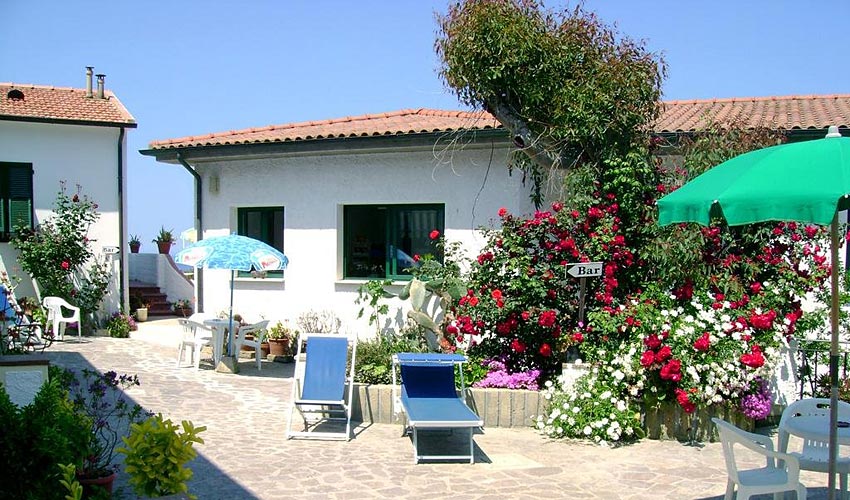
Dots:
pixel 207 477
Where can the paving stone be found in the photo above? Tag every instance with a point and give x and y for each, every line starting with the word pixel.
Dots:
pixel 246 454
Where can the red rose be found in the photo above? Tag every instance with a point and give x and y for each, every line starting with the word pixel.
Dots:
pixel 525 315
pixel 684 401
pixel 647 359
pixel 755 287
pixel 578 337
pixel 451 329
pixel 517 346
pixel 652 341
pixel 672 371
pixel 701 344
pixel 503 211
pixel 663 354
pixel 545 350
pixel 416 257
pixel 65 264
pixel 557 206
pixel 755 359
pixel 496 294
pixel 547 318
pixel 434 234
pixel 473 301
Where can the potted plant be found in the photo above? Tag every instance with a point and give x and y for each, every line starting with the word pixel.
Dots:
pixel 182 307
pixel 101 398
pixel 281 337
pixel 156 452
pixel 134 243
pixel 164 239
pixel 142 312
pixel 120 325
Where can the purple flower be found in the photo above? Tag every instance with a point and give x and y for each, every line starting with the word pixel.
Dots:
pixel 757 405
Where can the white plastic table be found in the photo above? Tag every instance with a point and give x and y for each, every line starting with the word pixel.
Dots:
pixel 219 330
pixel 810 427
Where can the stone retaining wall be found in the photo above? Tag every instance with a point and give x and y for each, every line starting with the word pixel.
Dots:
pixel 519 408
pixel 497 407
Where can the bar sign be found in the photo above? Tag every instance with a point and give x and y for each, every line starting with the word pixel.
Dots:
pixel 585 269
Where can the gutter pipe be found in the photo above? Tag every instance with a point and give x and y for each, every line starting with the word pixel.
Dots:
pixel 199 226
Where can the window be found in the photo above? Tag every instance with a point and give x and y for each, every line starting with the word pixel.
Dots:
pixel 264 224
pixel 15 197
pixel 380 241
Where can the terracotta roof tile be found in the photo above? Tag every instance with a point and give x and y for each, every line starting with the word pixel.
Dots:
pixel 42 102
pixel 786 112
pixel 790 112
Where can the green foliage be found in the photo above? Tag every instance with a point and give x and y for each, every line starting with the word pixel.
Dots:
pixel 370 295
pixel 70 483
pixel 119 326
pixel 374 356
pixel 37 439
pixel 156 451
pixel 473 370
pixel 59 255
pixel 281 331
pixel 571 89
pixel 134 240
pixel 164 235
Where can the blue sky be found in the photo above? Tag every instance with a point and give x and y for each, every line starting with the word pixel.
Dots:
pixel 193 67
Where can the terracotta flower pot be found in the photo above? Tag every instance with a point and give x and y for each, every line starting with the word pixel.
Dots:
pixel 264 349
pixel 134 247
pixel 94 486
pixel 278 347
pixel 163 246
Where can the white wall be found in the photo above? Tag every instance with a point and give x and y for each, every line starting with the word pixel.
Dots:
pixel 313 189
pixel 80 155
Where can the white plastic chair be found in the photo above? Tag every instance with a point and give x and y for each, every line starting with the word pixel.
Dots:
pixel 258 331
pixel 56 318
pixel 772 478
pixel 815 454
pixel 195 336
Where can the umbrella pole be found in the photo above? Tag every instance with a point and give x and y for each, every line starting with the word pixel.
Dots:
pixel 833 360
pixel 230 326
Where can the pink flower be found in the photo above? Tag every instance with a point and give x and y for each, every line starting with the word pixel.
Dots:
pixel 434 234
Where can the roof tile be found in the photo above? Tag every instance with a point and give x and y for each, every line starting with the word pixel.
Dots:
pixel 786 112
pixel 41 102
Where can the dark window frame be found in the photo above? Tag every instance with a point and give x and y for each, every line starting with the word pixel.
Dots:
pixel 21 190
pixel 390 234
pixel 242 214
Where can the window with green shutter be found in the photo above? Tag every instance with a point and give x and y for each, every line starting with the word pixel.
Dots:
pixel 16 207
pixel 264 224
pixel 381 241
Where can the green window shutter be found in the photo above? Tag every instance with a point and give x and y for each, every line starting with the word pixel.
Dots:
pixel 20 196
pixel 2 216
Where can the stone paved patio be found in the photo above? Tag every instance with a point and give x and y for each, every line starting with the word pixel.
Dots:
pixel 246 454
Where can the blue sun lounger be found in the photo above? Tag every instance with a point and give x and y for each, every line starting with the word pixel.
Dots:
pixel 319 388
pixel 429 399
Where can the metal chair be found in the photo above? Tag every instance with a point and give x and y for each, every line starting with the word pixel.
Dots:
pixel 781 472
pixel 258 332
pixel 57 319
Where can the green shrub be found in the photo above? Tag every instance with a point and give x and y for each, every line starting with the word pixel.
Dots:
pixel 156 452
pixel 36 439
pixel 119 326
pixel 374 356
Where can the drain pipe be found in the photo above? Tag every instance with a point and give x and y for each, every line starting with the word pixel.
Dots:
pixel 199 227
pixel 125 304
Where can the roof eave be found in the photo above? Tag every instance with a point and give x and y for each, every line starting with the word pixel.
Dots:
pixel 325 146
pixel 66 121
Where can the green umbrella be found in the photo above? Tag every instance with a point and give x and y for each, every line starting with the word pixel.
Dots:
pixel 805 182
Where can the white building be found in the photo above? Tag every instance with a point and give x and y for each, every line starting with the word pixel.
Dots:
pixel 49 135
pixel 351 199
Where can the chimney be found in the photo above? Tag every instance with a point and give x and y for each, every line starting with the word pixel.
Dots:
pixel 89 71
pixel 100 79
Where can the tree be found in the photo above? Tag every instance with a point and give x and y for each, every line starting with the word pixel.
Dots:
pixel 570 89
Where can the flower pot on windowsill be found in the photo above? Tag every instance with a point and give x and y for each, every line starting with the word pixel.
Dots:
pixel 134 247
pixel 164 246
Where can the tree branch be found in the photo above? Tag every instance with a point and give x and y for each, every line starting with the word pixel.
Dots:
pixel 523 138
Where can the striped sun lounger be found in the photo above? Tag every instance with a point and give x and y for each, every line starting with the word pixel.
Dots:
pixel 429 400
